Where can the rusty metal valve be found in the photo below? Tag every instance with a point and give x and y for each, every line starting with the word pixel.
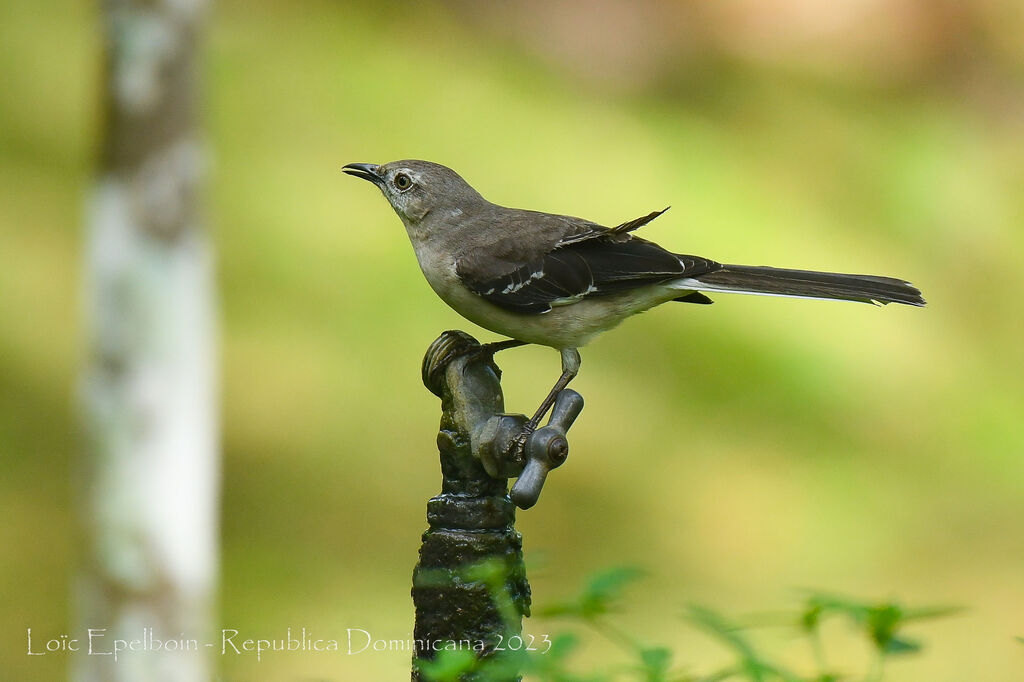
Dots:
pixel 500 441
pixel 546 448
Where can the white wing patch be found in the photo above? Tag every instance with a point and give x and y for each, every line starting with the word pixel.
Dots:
pixel 516 286
pixel 576 298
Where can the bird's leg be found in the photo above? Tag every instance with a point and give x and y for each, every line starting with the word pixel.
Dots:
pixel 570 368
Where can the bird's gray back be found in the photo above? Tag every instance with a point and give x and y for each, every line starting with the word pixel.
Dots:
pixel 499 240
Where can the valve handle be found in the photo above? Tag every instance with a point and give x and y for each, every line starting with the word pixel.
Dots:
pixel 568 406
pixel 546 448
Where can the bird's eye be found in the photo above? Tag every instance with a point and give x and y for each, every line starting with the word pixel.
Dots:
pixel 402 181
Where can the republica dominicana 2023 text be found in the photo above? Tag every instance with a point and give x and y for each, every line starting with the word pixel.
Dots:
pixel 102 642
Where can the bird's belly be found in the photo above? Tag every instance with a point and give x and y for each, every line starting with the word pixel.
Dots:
pixel 566 326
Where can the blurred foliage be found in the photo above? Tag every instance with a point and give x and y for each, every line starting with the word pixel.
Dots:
pixel 878 623
pixel 735 449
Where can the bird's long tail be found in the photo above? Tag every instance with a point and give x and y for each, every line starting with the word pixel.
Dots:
pixel 746 279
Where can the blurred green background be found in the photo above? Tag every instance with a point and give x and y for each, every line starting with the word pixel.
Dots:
pixel 738 452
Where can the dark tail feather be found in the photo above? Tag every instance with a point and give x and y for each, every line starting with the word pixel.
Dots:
pixel 809 284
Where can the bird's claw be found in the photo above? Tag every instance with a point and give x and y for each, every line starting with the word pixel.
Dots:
pixel 518 445
pixel 445 348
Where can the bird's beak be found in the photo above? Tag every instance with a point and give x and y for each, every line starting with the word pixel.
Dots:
pixel 366 171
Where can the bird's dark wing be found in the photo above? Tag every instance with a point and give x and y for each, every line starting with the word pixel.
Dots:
pixel 637 223
pixel 516 239
pixel 606 263
pixel 526 237
pixel 585 230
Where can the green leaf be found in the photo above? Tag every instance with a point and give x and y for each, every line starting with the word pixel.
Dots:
pixel 721 628
pixel 604 589
pixel 598 597
pixel 656 662
pixel 901 645
pixel 562 646
pixel 930 612
pixel 504 665
pixel 751 664
pixel 822 604
pixel 882 622
pixel 447 666
pixel 551 665
pixel 810 618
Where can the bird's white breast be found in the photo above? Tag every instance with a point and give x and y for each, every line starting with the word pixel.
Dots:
pixel 571 325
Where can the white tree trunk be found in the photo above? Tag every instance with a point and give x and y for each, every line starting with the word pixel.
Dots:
pixel 150 476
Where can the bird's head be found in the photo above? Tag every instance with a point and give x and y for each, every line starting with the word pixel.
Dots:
pixel 417 189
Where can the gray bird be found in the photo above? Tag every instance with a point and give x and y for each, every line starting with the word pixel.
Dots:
pixel 559 281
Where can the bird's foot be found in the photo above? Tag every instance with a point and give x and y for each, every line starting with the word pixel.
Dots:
pixel 454 344
pixel 445 348
pixel 485 352
pixel 518 445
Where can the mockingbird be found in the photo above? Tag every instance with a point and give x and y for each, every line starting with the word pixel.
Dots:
pixel 559 281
